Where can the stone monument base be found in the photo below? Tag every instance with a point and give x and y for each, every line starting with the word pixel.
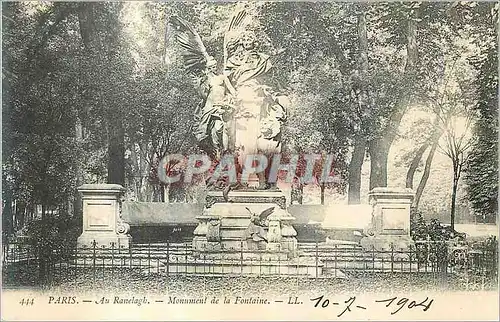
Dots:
pixel 103 225
pixel 389 229
pixel 224 222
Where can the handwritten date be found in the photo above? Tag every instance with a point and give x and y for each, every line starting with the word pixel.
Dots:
pixel 394 302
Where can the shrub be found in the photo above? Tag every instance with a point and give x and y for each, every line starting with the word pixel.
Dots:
pixel 54 237
pixel 434 230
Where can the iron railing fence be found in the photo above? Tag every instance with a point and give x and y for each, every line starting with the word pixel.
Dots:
pixel 26 263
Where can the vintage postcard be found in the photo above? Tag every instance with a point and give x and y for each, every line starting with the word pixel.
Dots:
pixel 249 160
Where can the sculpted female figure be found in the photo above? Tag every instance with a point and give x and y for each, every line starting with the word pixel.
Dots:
pixel 217 93
pixel 213 113
pixel 239 113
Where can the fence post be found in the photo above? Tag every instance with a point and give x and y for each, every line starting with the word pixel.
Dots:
pixel 103 255
pixel 317 255
pixel 185 259
pixel 94 243
pixel 176 255
pixel 325 264
pixel 401 262
pixel 205 268
pixel 241 258
pixel 168 258
pixel 157 259
pixel 373 259
pixel 392 257
pixel 149 257
pixel 279 260
pixel 260 264
pixel 112 259
pixel 335 260
pixel 75 266
pixel 130 257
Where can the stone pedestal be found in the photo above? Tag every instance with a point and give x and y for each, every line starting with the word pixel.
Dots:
pixel 232 218
pixel 102 220
pixel 390 222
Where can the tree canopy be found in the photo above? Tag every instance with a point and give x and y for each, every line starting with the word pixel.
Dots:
pixel 96 91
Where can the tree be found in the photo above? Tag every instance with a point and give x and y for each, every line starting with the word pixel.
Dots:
pixel 165 99
pixel 458 143
pixel 449 35
pixel 102 35
pixel 38 98
pixel 38 128
pixel 316 74
pixel 481 172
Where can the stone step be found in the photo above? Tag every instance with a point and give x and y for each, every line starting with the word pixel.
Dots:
pixel 178 245
pixel 329 247
pixel 305 246
pixel 337 252
pixel 238 242
pixel 234 244
pixel 376 266
pixel 245 255
pixel 358 257
pixel 340 258
pixel 214 266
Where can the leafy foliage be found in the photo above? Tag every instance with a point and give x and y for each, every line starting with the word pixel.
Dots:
pixel 86 83
pixel 432 230
pixel 482 167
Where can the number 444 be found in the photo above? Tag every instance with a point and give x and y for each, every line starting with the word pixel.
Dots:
pixel 27 301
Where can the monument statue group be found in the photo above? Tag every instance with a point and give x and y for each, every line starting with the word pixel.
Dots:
pixel 240 115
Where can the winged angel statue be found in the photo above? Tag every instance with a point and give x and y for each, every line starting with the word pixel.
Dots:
pixel 255 234
pixel 239 113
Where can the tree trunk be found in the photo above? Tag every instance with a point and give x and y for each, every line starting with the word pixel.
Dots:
pixel 157 193
pixel 77 200
pixel 379 147
pixel 162 193
pixel 414 165
pixel 43 248
pixel 7 213
pixel 322 196
pixel 116 152
pixel 425 175
pixel 379 151
pixel 86 23
pixel 457 170
pixel 166 193
pixel 437 132
pixel 20 214
pixel 136 183
pixel 411 44
pixel 91 37
pixel 144 172
pixel 453 201
pixel 358 156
